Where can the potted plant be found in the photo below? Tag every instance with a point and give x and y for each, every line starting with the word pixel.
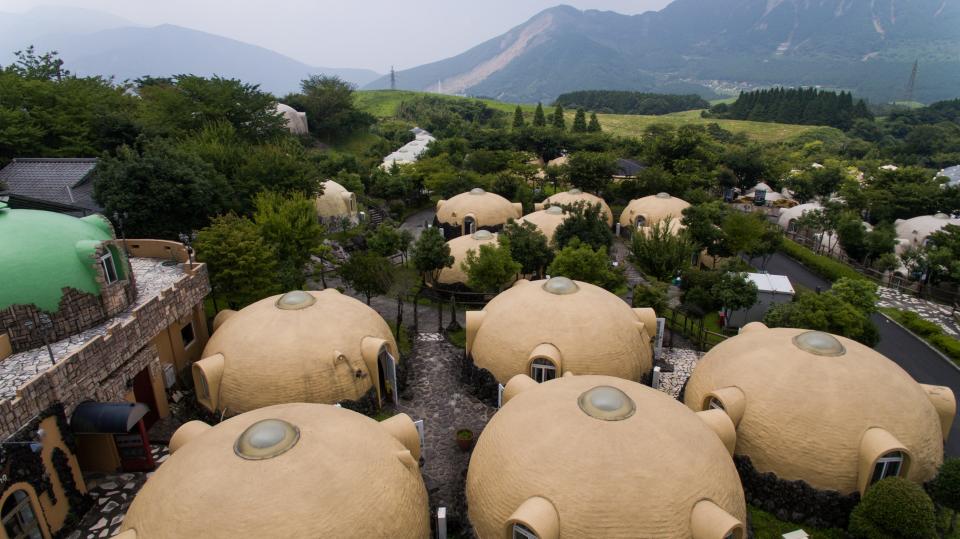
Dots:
pixel 465 439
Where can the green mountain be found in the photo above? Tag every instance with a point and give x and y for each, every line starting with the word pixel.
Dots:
pixel 709 46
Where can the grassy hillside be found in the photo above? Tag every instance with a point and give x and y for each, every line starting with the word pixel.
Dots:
pixel 384 103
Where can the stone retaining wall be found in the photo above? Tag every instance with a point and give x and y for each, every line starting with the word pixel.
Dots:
pixel 102 367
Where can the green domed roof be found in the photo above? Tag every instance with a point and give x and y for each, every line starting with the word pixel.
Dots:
pixel 43 252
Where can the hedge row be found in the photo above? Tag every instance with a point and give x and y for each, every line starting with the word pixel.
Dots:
pixel 931 332
pixel 823 266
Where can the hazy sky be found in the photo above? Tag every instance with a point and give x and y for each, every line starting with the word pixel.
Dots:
pixel 345 33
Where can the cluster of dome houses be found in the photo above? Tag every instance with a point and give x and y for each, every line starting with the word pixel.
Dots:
pixel 581 446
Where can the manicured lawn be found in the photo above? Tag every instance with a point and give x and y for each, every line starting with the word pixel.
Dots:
pixel 767 526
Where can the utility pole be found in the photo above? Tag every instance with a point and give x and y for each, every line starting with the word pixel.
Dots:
pixel 393 79
pixel 912 82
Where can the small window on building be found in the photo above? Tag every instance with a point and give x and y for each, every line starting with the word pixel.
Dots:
pixel 715 404
pixel 204 389
pixel 543 370
pixel 469 225
pixel 186 333
pixel 109 268
pixel 641 221
pixel 888 465
pixel 19 518
pixel 522 532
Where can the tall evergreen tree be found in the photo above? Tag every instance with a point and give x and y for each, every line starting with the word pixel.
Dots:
pixel 539 119
pixel 580 122
pixel 594 125
pixel 558 120
pixel 518 118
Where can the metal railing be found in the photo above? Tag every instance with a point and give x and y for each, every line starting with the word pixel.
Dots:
pixel 690 327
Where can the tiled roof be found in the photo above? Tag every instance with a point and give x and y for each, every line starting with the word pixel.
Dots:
pixel 61 181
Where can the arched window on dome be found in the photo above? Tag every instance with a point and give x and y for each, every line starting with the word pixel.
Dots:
pixel 522 532
pixel 20 518
pixel 469 225
pixel 889 465
pixel 714 403
pixel 641 221
pixel 543 370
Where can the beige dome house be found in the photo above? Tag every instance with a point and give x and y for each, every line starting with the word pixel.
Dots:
pixel 574 196
pixel 823 409
pixel 291 470
pixel 295 121
pixel 336 203
pixel 647 211
pixel 547 221
pixel 321 347
pixel 458 250
pixel 597 456
pixel 550 327
pixel 915 231
pixel 474 210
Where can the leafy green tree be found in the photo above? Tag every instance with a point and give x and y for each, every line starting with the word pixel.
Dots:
pixel 734 292
pixel 431 254
pixel 518 122
pixel 527 245
pixel 702 223
pixel 660 253
pixel 289 224
pixel 594 125
pixel 539 119
pixel 652 295
pixel 585 222
pixel 580 262
pixel 329 105
pixel 368 273
pixel 281 167
pixel 32 65
pixel 742 231
pixel 824 312
pixel 580 122
pixel 241 264
pixel 894 508
pixel 945 489
pixel 490 269
pixel 558 120
pixel 385 240
pixel 162 190
pixel 590 171
pixel 186 103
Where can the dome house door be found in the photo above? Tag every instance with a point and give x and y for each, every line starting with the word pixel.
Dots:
pixel 469 225
pixel 387 367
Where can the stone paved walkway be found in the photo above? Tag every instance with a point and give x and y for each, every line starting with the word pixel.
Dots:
pixel 683 362
pixel 112 495
pixel 437 397
pixel 928 310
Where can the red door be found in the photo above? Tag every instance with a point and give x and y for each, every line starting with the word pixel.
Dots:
pixel 143 392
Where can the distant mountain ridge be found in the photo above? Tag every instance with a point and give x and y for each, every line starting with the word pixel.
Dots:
pixel 690 45
pixel 101 44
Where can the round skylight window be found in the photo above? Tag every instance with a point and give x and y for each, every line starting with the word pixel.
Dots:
pixel 555 210
pixel 482 235
pixel 560 286
pixel 607 403
pixel 819 343
pixel 575 191
pixel 477 191
pixel 296 299
pixel 266 439
pixel 663 195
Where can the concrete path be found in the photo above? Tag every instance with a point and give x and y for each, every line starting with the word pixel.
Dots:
pixel 912 354
pixel 418 221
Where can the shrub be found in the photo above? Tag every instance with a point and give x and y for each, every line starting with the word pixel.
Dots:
pixel 821 265
pixel 653 295
pixel 948 345
pixel 894 508
pixel 945 488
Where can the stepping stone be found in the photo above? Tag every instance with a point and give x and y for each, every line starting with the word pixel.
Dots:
pixel 111 506
pixel 100 523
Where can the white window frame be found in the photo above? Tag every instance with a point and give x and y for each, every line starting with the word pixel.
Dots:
pixel 204 389
pixel 889 465
pixel 715 404
pixel 540 367
pixel 31 528
pixel 640 221
pixel 522 532
pixel 109 266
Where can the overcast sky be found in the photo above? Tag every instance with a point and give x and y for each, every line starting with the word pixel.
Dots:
pixel 345 33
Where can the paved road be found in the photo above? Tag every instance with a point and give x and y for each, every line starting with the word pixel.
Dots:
pixel 416 222
pixel 914 356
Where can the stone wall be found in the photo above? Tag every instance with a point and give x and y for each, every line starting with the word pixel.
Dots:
pixel 101 369
pixel 76 312
pixel 794 501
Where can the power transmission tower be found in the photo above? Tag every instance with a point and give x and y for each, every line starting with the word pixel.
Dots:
pixel 908 96
pixel 393 79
